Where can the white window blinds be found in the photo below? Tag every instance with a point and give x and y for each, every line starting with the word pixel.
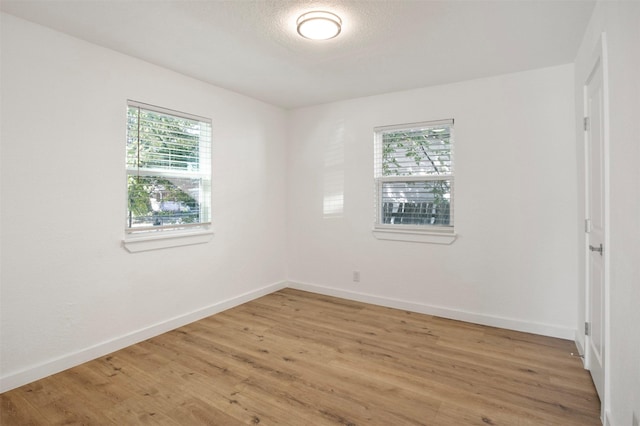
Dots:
pixel 414 175
pixel 168 167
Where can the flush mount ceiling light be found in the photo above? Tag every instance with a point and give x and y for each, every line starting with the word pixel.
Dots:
pixel 319 25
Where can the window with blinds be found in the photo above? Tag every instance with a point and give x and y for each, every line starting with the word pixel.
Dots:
pixel 414 176
pixel 168 167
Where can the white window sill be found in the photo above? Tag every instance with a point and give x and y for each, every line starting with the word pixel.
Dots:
pixel 165 239
pixel 415 236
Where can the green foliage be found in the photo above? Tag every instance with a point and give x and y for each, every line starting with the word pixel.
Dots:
pixel 139 197
pixel 390 163
pixel 423 152
pixel 419 152
pixel 162 141
pixel 144 191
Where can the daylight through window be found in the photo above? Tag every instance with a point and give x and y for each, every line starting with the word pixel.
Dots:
pixel 168 169
pixel 414 176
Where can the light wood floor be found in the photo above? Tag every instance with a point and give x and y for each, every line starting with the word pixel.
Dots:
pixel 297 358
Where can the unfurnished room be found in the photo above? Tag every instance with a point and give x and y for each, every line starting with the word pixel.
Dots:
pixel 320 212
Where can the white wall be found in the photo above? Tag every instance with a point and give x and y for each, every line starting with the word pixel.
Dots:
pixel 69 291
pixel 513 263
pixel 621 23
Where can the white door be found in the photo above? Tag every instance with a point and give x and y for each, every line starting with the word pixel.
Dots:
pixel 595 237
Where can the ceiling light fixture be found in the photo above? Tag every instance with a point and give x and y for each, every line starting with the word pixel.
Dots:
pixel 319 25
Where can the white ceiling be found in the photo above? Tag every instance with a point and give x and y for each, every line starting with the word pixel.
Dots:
pixel 251 46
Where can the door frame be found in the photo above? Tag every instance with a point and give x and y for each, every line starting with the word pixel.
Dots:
pixel 598 59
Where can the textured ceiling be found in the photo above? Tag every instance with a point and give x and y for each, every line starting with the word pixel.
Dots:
pixel 251 46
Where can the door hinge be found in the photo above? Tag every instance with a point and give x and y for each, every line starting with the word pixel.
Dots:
pixel 587 329
pixel 599 249
pixel 585 123
pixel 587 225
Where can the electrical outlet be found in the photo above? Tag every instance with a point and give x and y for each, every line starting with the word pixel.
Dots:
pixel 356 276
pixel 635 421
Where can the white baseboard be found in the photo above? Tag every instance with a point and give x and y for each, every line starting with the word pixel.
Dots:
pixel 28 375
pixel 476 318
pixel 580 347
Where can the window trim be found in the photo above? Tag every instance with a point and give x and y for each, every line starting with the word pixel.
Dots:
pixel 436 234
pixel 166 239
pixel 153 238
pixel 415 236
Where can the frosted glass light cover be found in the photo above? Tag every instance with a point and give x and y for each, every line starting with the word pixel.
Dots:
pixel 319 25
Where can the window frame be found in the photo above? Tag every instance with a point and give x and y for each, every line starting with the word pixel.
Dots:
pixel 144 238
pixel 426 233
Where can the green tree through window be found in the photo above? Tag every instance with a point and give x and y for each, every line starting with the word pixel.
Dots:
pixel 168 169
pixel 415 174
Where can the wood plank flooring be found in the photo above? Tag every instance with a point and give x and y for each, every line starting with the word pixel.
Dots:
pixel 298 358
